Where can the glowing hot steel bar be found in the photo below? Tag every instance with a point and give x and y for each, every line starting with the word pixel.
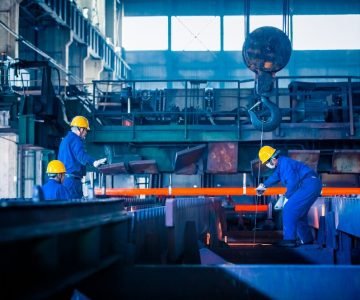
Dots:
pixel 230 191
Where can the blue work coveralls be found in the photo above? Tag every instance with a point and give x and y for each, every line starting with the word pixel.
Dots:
pixel 54 190
pixel 303 187
pixel 72 153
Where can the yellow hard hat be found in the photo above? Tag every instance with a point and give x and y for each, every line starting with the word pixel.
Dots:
pixel 265 153
pixel 55 167
pixel 80 121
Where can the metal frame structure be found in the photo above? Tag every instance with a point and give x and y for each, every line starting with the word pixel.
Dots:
pixel 66 13
pixel 189 131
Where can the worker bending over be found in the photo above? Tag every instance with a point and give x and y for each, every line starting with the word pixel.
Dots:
pixel 303 187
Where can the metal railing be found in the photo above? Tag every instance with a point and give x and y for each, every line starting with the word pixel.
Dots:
pixel 224 102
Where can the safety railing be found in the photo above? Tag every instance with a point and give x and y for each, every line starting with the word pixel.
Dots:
pixel 326 103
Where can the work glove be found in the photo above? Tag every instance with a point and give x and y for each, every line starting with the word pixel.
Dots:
pixel 280 203
pixel 99 162
pixel 260 189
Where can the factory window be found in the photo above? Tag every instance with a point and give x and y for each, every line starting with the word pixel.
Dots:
pixel 271 20
pixel 326 32
pixel 142 182
pixel 145 33
pixel 234 33
pixel 200 33
pixel 234 29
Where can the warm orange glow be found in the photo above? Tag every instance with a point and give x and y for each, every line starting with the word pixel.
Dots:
pixel 268 65
pixel 219 230
pixel 233 244
pixel 251 207
pixel 127 123
pixel 208 236
pixel 222 191
pixel 336 191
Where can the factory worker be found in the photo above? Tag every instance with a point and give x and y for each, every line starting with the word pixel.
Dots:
pixel 74 156
pixel 303 187
pixel 54 188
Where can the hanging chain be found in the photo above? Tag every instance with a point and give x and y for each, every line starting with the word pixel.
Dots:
pixel 258 181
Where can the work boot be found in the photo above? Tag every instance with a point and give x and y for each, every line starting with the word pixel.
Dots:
pixel 287 243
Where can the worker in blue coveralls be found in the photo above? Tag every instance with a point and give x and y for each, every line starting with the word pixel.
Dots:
pixel 54 188
pixel 72 153
pixel 303 187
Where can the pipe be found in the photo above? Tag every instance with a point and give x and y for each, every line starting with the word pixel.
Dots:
pixel 251 207
pixel 219 191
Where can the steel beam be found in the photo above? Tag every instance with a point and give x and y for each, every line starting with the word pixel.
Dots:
pixel 219 133
pixel 326 191
pixel 294 282
pixel 66 13
pixel 49 246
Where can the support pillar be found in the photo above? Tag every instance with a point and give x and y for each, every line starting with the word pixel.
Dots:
pixel 54 41
pixel 119 26
pixel 110 21
pixel 9 14
pixel 92 69
pixel 8 161
pixel 107 75
pixel 95 12
pixel 77 53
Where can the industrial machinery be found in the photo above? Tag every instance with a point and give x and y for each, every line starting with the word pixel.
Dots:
pixel 134 121
pixel 266 51
pixel 182 166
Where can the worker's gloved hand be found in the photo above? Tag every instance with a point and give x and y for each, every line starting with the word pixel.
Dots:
pixel 280 203
pixel 99 162
pixel 260 189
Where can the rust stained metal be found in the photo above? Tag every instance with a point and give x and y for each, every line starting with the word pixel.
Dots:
pixel 222 158
pixel 340 180
pixel 266 49
pixel 186 158
pixel 346 161
pixel 188 170
pixel 143 166
pixel 309 157
pixel 113 169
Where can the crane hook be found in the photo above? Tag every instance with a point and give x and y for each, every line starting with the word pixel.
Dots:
pixel 266 123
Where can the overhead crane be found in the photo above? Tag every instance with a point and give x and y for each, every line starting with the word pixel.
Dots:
pixel 89 244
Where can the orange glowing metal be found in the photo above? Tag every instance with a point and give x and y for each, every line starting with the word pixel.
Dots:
pixel 184 191
pixel 229 191
pixel 234 244
pixel 251 207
